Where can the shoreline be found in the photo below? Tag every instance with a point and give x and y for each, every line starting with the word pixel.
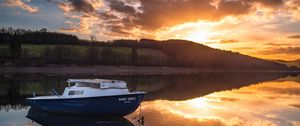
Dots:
pixel 118 70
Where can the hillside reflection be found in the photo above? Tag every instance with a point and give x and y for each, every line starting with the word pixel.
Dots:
pixel 264 104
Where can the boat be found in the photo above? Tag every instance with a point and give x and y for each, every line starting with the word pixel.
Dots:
pixel 90 97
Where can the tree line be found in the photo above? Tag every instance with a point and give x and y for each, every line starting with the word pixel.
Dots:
pixel 10 35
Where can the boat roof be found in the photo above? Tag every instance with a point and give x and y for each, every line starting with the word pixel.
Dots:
pixel 94 81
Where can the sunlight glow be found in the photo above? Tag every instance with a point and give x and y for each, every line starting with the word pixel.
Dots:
pixel 199 36
pixel 200 32
pixel 200 103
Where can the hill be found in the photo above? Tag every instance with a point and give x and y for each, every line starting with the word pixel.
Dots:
pixel 295 63
pixel 187 53
pixel 23 47
pixel 174 53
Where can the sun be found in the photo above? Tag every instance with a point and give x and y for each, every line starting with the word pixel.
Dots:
pixel 203 37
pixel 198 36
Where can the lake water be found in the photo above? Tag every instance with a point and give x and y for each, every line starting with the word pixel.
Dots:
pixel 215 99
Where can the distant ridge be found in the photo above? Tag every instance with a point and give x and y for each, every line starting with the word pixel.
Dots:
pixel 188 53
pixel 294 63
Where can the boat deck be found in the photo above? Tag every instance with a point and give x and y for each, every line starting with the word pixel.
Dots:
pixel 79 96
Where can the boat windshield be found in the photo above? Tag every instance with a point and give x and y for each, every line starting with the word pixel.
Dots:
pixel 95 85
pixel 82 84
pixel 85 84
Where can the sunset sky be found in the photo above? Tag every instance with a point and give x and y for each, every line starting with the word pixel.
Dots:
pixel 267 29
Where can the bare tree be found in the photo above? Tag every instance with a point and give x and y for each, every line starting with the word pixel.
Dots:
pixel 93 38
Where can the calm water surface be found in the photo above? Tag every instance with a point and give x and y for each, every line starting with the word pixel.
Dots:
pixel 245 99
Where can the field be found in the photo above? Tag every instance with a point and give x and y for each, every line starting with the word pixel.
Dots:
pixel 81 53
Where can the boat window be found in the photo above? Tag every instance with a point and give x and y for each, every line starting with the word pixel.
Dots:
pixel 76 92
pixel 81 84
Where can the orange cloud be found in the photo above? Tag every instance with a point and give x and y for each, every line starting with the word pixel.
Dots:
pixel 22 5
pixel 294 37
pixel 281 50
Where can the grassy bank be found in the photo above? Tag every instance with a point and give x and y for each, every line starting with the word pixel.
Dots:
pixel 96 70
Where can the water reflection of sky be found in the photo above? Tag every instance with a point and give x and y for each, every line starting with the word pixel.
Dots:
pixel 14 118
pixel 263 104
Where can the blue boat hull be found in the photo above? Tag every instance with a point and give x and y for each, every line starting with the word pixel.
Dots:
pixel 119 105
pixel 54 119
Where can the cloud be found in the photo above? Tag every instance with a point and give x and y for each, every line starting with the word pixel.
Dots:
pixel 270 3
pixel 275 44
pixel 282 50
pixel 295 105
pixel 22 5
pixel 157 14
pixel 228 41
pixel 154 15
pixel 233 7
pixel 68 29
pixel 136 18
pixel 74 5
pixel 288 91
pixel 294 37
pixel 81 15
pixel 243 48
pixel 225 99
pixel 81 6
pixel 120 6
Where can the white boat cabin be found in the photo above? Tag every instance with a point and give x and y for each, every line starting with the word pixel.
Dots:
pixel 97 83
pixel 94 87
pixel 84 88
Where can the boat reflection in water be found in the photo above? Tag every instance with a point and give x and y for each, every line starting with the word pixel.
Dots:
pixel 54 119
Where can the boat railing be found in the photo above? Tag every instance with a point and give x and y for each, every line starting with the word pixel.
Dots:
pixel 55 92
